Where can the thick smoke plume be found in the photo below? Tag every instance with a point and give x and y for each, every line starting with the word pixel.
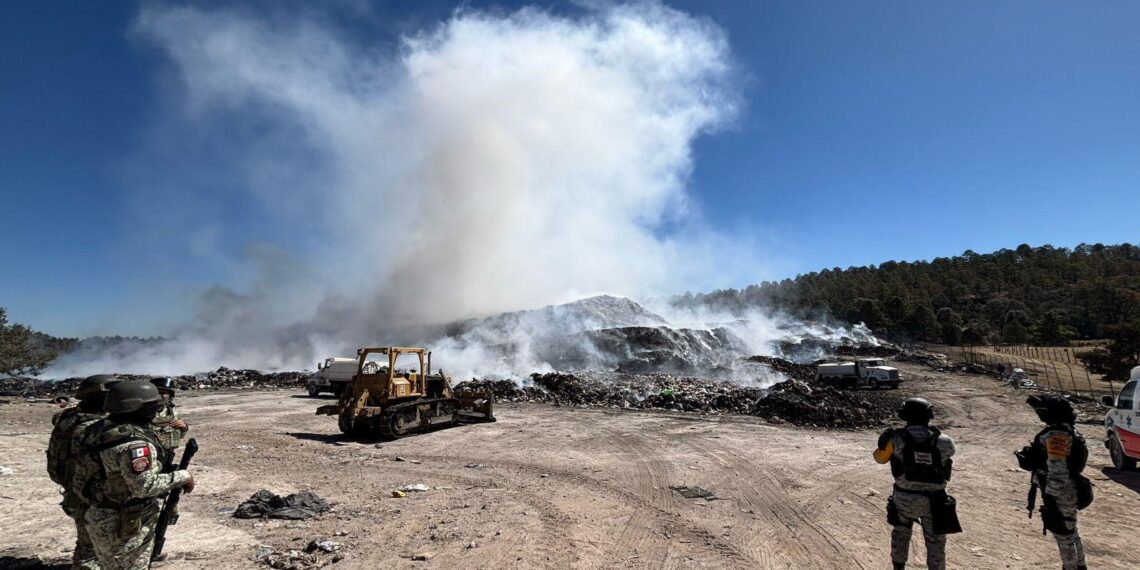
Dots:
pixel 496 162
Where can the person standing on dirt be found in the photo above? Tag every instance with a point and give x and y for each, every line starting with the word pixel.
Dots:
pixel 921 462
pixel 67 425
pixel 120 472
pixel 1056 456
pixel 167 424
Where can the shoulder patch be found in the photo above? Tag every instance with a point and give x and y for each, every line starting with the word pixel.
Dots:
pixel 140 458
pixel 1058 445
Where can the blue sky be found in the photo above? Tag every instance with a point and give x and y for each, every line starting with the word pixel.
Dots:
pixel 871 131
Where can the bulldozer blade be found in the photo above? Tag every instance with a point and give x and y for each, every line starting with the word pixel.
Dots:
pixel 328 410
pixel 476 405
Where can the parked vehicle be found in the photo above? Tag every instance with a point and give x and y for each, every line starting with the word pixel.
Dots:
pixel 1122 424
pixel 864 372
pixel 332 375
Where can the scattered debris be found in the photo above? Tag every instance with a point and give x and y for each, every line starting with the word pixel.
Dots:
pixel 693 492
pixel 298 506
pixel 5 470
pixel 397 494
pixel 417 488
pixel 474 466
pixel 323 546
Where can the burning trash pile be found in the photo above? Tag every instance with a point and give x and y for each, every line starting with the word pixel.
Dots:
pixel 222 378
pixel 797 401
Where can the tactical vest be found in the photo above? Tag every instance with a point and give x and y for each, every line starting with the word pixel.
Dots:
pixel 920 462
pixel 1078 453
pixel 68 424
pixel 89 476
pixel 1078 458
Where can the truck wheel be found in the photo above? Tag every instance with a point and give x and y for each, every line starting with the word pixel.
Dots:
pixel 314 391
pixel 873 384
pixel 1119 460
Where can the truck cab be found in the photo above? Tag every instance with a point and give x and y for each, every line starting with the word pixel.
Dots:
pixel 1122 424
pixel 332 375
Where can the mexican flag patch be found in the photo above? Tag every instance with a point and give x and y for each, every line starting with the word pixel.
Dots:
pixel 140 458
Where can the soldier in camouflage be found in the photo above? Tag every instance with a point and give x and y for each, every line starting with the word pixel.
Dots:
pixel 920 458
pixel 122 476
pixel 1057 456
pixel 167 424
pixel 67 424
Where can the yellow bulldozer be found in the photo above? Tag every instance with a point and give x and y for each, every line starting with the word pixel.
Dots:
pixel 388 401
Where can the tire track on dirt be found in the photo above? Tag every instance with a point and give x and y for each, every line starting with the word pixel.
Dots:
pixel 797 537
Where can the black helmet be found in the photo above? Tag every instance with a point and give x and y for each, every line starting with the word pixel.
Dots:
pixel 164 384
pixel 97 385
pixel 132 396
pixel 1052 409
pixel 916 411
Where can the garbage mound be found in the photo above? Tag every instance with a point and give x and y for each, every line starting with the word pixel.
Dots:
pixel 788 368
pixel 794 401
pixel 298 506
pixel 882 350
pixel 222 378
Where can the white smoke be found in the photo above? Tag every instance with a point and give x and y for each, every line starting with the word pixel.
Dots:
pixel 498 161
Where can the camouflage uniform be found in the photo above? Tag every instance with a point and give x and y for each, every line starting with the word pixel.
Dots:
pixel 127 500
pixel 169 437
pixel 69 423
pixel 911 499
pixel 1060 494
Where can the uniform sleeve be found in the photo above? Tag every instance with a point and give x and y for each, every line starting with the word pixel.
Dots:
pixel 885 447
pixel 946 446
pixel 138 465
pixel 1058 445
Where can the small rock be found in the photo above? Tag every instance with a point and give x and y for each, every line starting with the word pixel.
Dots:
pixel 328 546
pixel 398 458
pixel 397 494
pixel 474 466
pixel 379 446
pixel 872 493
pixel 471 545
pixel 544 475
pixel 417 488
pixel 422 556
pixel 5 470
pixel 337 558
pixel 263 552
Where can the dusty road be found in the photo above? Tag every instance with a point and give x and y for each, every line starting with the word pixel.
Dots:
pixel 557 487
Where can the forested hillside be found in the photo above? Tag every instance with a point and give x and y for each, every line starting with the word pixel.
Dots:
pixel 1045 295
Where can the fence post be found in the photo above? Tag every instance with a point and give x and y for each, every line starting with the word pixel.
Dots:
pixel 1074 379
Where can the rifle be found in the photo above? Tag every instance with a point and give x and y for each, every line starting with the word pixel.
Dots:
pixel 168 517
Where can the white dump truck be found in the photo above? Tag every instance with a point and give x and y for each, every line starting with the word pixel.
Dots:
pixel 332 376
pixel 864 372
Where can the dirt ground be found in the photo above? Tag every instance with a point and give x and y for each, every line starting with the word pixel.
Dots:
pixel 557 487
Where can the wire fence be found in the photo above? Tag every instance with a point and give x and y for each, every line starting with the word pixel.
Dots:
pixel 1053 368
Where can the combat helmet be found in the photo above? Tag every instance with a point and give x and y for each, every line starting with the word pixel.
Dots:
pixel 97 385
pixel 917 411
pixel 1052 409
pixel 165 384
pixel 132 396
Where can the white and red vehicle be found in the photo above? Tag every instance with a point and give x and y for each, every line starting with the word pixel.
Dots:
pixel 1123 424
